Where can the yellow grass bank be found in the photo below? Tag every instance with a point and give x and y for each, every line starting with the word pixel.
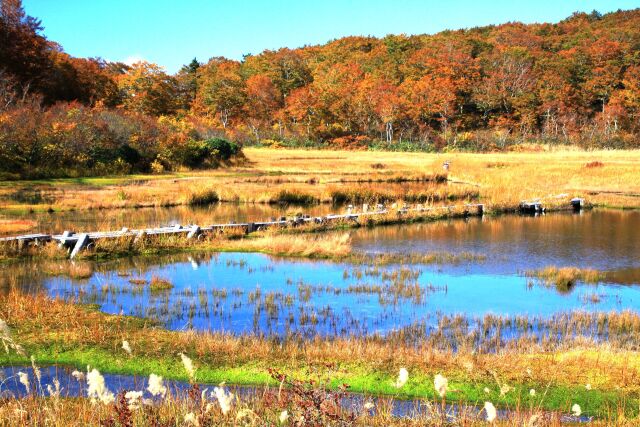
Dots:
pixel 604 178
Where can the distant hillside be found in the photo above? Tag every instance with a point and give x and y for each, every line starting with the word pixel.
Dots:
pixel 577 81
pixel 580 77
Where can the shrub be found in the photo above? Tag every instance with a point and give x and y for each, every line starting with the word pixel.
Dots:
pixel 222 148
pixel 191 154
pixel 207 153
pixel 157 167
pixel 70 140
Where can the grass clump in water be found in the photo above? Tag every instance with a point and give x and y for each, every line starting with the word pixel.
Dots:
pixel 295 197
pixel 71 269
pixel 564 278
pixel 159 284
pixel 205 197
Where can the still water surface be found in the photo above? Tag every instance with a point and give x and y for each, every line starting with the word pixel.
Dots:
pixel 255 293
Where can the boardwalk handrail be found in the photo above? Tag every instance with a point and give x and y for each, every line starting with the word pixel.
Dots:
pixel 79 241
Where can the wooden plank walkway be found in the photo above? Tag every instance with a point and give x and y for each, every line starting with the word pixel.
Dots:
pixel 79 241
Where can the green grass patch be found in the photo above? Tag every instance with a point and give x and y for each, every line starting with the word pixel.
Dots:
pixel 362 380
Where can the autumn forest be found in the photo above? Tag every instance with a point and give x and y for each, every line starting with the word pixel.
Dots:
pixel 480 89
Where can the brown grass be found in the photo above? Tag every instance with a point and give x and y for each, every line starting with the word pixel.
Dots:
pixel 39 322
pixel 566 277
pixel 158 284
pixel 320 408
pixel 312 174
pixel 13 226
pixel 74 269
pixel 335 245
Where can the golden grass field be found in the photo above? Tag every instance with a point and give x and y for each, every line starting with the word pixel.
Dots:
pixel 605 178
pixel 602 375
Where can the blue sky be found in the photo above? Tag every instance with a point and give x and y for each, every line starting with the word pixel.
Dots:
pixel 171 33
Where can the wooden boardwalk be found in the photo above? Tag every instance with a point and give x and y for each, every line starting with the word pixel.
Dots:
pixel 79 241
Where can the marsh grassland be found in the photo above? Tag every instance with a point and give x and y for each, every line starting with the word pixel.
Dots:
pixel 427 318
pixel 308 177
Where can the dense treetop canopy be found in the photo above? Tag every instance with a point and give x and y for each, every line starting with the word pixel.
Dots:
pixel 576 81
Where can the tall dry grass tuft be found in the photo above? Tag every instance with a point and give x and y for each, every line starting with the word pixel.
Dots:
pixel 15 226
pixel 158 284
pixel 566 277
pixel 334 245
pixel 314 246
pixel 78 270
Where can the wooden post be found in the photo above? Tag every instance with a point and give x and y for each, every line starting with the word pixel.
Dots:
pixel 531 207
pixel 139 236
pixel 83 240
pixel 577 203
pixel 195 231
pixel 63 241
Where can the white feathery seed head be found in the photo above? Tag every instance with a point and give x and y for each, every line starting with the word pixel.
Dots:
pixel 54 391
pixel 133 399
pixel 191 419
pixel 576 410
pixel 156 386
pixel 188 365
pixel 36 370
pixel 5 332
pixel 225 399
pixel 441 385
pixel 24 380
pixel 79 376
pixel 491 411
pixel 504 389
pixel 403 377
pixel 97 389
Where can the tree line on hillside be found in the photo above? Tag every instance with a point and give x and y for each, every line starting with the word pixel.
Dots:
pixel 487 88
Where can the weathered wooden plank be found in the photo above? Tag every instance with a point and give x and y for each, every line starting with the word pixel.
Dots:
pixel 27 237
pixel 194 232
pixel 81 240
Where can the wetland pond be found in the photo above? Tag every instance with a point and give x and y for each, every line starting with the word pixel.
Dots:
pixel 481 275
pixel 97 219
